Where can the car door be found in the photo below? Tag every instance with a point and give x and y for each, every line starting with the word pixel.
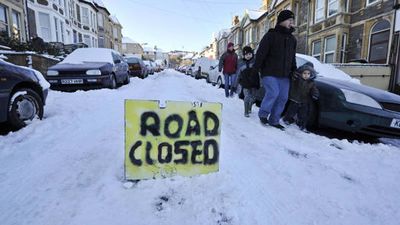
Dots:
pixel 117 66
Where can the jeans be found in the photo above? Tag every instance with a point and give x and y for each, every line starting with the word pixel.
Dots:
pixel 230 84
pixel 275 98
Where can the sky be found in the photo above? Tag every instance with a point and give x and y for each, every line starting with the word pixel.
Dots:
pixel 176 24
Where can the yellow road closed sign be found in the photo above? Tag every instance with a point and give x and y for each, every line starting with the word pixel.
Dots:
pixel 180 138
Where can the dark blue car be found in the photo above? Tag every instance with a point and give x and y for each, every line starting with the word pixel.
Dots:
pixel 23 94
pixel 89 68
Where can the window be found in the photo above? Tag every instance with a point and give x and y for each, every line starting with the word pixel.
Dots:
pixel 57 31
pixel 100 20
pixel 62 31
pixel 86 40
pixel 330 48
pixel 78 13
pixel 319 10
pixel 44 21
pixel 344 49
pixel 379 42
pixel 85 16
pixel 101 42
pixel 370 2
pixel 3 19
pixel 75 34
pixel 115 32
pixel 16 24
pixel 316 50
pixel 333 7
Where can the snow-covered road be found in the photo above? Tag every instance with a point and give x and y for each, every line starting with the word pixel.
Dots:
pixel 68 169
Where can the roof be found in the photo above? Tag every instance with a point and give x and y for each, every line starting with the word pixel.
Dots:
pixel 148 49
pixel 114 19
pixel 127 40
pixel 255 14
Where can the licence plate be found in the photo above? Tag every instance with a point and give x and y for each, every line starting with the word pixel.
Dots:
pixel 72 81
pixel 395 123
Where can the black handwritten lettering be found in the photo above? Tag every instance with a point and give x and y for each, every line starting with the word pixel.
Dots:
pixel 211 116
pixel 207 144
pixel 193 124
pixel 179 150
pixel 134 161
pixel 195 151
pixel 148 151
pixel 173 118
pixel 153 128
pixel 168 157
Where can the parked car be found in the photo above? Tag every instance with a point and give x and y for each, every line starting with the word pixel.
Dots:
pixel 347 105
pixel 137 67
pixel 188 70
pixel 89 68
pixel 23 94
pixel 215 77
pixel 149 66
pixel 202 67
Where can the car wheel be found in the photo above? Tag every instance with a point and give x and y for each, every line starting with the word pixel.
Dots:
pixel 113 82
pixel 25 105
pixel 127 80
pixel 219 82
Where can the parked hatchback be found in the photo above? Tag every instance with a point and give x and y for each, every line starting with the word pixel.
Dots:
pixel 89 68
pixel 137 67
pixel 23 94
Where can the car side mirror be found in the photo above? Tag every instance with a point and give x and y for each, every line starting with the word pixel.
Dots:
pixel 117 61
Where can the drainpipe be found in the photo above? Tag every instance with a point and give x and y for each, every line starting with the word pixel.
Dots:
pixel 307 26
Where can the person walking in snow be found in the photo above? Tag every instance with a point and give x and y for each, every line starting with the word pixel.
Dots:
pixel 228 64
pixel 249 80
pixel 276 60
pixel 302 91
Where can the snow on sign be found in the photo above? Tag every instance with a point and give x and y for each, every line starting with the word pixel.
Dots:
pixel 180 138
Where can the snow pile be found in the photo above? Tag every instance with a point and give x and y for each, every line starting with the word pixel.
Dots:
pixel 326 70
pixel 68 169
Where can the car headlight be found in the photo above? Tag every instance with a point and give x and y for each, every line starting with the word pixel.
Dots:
pixel 361 99
pixel 93 72
pixel 52 73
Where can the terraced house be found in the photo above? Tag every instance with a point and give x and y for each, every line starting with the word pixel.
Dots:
pixel 12 19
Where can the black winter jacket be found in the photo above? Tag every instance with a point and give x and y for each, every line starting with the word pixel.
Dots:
pixel 276 54
pixel 247 77
pixel 303 91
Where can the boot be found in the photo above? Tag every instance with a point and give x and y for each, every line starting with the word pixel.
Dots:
pixel 246 109
pixel 250 105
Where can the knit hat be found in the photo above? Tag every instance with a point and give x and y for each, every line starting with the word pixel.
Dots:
pixel 284 15
pixel 247 49
pixel 230 44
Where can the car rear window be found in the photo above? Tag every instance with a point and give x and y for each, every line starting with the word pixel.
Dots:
pixel 132 60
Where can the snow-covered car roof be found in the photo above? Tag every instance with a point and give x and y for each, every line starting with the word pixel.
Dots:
pixel 82 55
pixel 325 70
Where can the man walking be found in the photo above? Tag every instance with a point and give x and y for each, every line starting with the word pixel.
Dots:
pixel 276 60
pixel 228 64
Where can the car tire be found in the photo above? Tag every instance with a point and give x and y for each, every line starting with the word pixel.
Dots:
pixel 25 104
pixel 113 82
pixel 127 80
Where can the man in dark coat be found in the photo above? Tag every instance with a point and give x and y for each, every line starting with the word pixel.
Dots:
pixel 228 64
pixel 276 60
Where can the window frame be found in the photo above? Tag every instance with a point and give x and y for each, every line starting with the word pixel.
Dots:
pixel 42 27
pixel 85 17
pixel 313 54
pixel 332 51
pixel 369 3
pixel 331 2
pixel 18 23
pixel 316 10
pixel 6 23
pixel 378 32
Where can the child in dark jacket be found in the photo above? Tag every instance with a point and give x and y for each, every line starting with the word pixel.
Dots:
pixel 302 91
pixel 249 80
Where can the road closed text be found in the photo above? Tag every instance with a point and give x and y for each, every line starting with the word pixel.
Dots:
pixel 180 139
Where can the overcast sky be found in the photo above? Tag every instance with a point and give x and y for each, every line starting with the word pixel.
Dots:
pixel 176 24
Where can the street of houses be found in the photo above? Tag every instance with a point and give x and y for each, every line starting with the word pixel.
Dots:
pixel 333 31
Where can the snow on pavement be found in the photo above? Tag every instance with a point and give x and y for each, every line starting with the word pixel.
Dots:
pixel 68 169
